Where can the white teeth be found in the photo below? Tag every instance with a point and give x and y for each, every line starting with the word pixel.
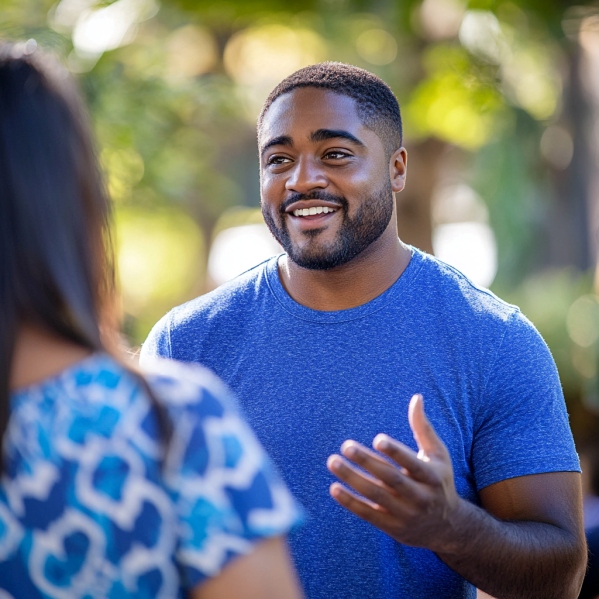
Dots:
pixel 312 211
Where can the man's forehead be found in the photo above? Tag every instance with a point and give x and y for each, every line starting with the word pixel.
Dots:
pixel 309 109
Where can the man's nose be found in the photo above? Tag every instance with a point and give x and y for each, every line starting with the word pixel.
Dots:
pixel 306 176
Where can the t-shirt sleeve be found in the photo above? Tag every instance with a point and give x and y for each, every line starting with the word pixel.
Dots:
pixel 521 425
pixel 158 342
pixel 228 494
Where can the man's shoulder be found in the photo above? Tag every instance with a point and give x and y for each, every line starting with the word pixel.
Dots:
pixel 232 296
pixel 178 333
pixel 451 291
pixel 450 302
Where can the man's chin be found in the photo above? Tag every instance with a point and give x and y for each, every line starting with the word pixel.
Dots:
pixel 316 260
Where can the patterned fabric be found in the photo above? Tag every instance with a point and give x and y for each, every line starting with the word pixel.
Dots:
pixel 90 509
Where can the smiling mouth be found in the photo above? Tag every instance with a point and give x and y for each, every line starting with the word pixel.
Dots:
pixel 313 211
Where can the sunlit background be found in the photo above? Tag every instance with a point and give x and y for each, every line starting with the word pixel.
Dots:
pixel 501 108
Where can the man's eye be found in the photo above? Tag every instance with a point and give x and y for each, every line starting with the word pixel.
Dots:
pixel 336 155
pixel 277 160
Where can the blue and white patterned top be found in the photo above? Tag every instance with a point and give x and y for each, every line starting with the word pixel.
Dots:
pixel 89 510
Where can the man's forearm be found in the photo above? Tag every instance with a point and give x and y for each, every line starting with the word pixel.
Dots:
pixel 514 560
pixel 533 549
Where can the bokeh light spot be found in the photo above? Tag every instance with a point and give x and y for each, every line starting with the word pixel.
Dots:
pixel 377 46
pixel 266 54
pixel 470 247
pixel 582 321
pixel 159 256
pixel 557 146
pixel 237 249
pixel 191 51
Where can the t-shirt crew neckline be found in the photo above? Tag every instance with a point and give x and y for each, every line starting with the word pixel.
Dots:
pixel 332 317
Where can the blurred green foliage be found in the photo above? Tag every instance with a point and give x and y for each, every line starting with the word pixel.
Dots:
pixel 454 102
pixel 174 88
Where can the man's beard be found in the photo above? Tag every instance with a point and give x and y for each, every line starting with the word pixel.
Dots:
pixel 354 235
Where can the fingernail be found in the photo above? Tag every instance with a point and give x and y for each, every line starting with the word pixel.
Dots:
pixel 351 451
pixel 334 462
pixel 380 441
pixel 382 444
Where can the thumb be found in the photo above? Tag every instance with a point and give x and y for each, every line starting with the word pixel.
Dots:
pixel 428 442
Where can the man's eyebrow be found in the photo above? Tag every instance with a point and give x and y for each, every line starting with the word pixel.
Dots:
pixel 282 140
pixel 323 134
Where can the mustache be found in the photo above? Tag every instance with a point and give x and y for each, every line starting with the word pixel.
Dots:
pixel 314 195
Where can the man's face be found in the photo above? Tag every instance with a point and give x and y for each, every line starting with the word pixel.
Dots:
pixel 324 178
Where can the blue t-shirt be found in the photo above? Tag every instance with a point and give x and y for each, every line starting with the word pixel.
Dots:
pixel 308 380
pixel 92 507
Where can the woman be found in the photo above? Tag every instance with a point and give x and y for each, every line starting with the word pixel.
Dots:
pixel 113 484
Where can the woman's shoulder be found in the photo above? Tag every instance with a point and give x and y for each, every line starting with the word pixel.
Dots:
pixel 183 384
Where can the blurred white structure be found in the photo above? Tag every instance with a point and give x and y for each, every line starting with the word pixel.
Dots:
pixel 470 247
pixel 237 249
pixel 462 236
pixel 96 27
pixel 465 241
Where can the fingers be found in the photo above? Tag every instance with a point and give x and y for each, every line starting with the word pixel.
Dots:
pixel 348 473
pixel 428 442
pixel 415 465
pixel 361 507
pixel 384 488
pixel 412 468
pixel 403 493
pixel 405 475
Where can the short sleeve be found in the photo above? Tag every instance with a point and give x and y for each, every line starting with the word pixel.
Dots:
pixel 521 425
pixel 228 494
pixel 158 342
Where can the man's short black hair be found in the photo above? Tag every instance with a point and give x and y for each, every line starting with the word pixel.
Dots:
pixel 377 105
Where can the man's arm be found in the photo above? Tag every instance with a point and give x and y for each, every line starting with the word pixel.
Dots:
pixel 527 542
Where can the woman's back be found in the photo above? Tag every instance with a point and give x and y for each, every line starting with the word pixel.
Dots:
pixel 113 484
pixel 88 505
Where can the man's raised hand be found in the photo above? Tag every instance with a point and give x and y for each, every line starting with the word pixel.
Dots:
pixel 409 496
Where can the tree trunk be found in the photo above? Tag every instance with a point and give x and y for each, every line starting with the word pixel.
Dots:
pixel 414 202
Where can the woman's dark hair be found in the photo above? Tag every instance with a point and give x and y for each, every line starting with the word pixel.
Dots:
pixel 56 262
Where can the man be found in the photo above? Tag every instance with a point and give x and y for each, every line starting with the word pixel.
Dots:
pixel 329 341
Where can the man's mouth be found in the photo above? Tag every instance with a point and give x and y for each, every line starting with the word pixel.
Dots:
pixel 313 210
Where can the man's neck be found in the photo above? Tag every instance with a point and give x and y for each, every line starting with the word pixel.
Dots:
pixel 352 284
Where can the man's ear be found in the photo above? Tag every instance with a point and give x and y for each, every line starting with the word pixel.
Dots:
pixel 398 164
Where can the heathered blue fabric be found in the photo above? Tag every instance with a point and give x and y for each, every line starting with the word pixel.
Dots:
pixel 308 380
